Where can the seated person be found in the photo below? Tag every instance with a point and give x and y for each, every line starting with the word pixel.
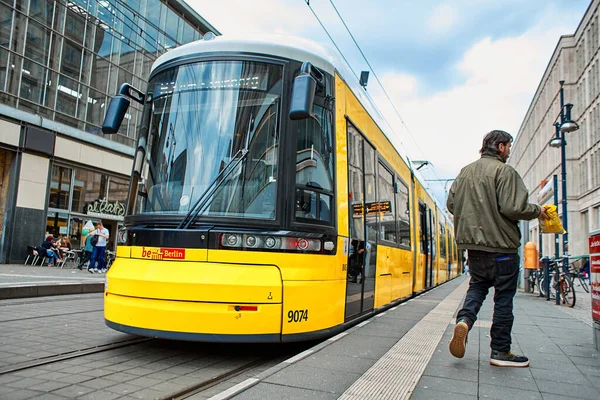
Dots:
pixel 65 246
pixel 50 250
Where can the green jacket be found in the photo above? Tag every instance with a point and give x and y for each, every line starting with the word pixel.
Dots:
pixel 487 199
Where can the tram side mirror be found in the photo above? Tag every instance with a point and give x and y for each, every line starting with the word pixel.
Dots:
pixel 114 115
pixel 118 106
pixel 303 96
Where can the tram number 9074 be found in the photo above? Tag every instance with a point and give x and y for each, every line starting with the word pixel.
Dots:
pixel 297 315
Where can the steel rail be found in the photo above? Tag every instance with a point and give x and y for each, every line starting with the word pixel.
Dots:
pixel 70 355
pixel 215 380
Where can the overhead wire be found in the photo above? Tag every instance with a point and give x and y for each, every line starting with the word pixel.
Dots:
pixel 330 38
pixel 371 68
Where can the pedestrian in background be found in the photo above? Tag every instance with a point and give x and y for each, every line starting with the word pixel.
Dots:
pixel 487 199
pixel 97 263
pixel 87 252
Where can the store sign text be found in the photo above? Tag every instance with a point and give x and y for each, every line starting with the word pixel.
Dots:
pixel 103 206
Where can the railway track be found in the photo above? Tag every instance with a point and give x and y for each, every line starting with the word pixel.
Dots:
pixel 213 381
pixel 59 337
pixel 70 355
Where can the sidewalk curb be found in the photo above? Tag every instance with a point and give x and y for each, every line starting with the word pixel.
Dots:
pixel 19 292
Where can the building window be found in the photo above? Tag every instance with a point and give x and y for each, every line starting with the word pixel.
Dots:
pixel 60 187
pixel 78 195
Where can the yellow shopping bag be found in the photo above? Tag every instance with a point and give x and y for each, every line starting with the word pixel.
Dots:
pixel 552 224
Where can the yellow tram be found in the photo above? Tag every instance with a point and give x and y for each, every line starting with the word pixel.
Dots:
pixel 267 203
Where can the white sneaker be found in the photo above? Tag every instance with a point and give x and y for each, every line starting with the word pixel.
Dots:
pixel 96 270
pixel 103 270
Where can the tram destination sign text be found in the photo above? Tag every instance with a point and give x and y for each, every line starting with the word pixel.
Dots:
pixel 373 207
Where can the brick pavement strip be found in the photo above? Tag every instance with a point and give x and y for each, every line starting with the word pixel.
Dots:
pixel 558 341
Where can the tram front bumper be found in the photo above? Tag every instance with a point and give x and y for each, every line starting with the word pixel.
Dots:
pixel 193 300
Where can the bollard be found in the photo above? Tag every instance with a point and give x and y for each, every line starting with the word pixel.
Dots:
pixel 530 263
pixel 546 263
pixel 557 272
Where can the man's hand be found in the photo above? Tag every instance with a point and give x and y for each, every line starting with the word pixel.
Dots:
pixel 543 215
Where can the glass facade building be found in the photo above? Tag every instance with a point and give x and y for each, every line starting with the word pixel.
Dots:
pixel 60 63
pixel 63 59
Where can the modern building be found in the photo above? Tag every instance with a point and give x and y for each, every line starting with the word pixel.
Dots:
pixel 576 61
pixel 60 62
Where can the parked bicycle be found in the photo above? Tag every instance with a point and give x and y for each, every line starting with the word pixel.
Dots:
pixel 576 271
pixel 559 280
pixel 109 258
pixel 534 280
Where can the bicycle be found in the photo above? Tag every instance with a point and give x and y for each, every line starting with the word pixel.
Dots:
pixel 582 276
pixel 534 280
pixel 109 258
pixel 561 279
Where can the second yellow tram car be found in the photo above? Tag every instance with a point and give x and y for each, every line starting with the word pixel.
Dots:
pixel 267 204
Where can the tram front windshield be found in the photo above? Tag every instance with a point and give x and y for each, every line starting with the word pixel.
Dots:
pixel 213 136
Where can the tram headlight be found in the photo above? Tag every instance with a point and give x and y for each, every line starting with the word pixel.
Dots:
pixel 251 241
pixel 258 242
pixel 270 242
pixel 231 240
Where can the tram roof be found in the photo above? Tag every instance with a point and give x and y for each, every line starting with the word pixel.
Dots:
pixel 295 48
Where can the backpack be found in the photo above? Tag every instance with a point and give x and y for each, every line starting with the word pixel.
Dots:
pixel 94 240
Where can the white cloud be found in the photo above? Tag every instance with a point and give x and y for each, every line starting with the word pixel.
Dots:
pixel 501 79
pixel 264 16
pixel 442 19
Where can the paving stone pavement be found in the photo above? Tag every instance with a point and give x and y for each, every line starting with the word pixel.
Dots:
pixel 558 341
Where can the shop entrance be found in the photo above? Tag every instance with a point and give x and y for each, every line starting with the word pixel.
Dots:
pixel 64 224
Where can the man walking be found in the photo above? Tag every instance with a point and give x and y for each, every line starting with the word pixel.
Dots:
pixel 487 199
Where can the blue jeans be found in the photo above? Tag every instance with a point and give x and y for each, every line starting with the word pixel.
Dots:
pixel 52 256
pixel 97 255
pixel 500 270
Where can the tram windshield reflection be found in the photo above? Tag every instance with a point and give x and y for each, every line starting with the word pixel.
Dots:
pixel 202 115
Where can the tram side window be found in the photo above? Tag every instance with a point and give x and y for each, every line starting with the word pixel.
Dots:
pixel 442 241
pixel 403 214
pixel 314 167
pixel 431 234
pixel 385 205
pixel 356 196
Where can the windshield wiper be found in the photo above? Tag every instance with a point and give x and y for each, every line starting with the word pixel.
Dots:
pixel 212 188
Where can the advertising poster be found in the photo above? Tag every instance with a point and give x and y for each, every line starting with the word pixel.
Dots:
pixel 595 274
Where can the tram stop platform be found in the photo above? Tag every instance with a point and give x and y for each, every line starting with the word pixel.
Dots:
pixel 401 353
pixel 20 281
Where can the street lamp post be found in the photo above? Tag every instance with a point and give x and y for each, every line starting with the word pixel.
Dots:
pixel 565 125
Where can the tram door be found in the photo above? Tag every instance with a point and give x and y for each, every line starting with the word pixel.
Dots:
pixel 425 243
pixel 360 288
pixel 431 236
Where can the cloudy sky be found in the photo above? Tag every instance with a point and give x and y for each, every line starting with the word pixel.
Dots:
pixel 453 69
